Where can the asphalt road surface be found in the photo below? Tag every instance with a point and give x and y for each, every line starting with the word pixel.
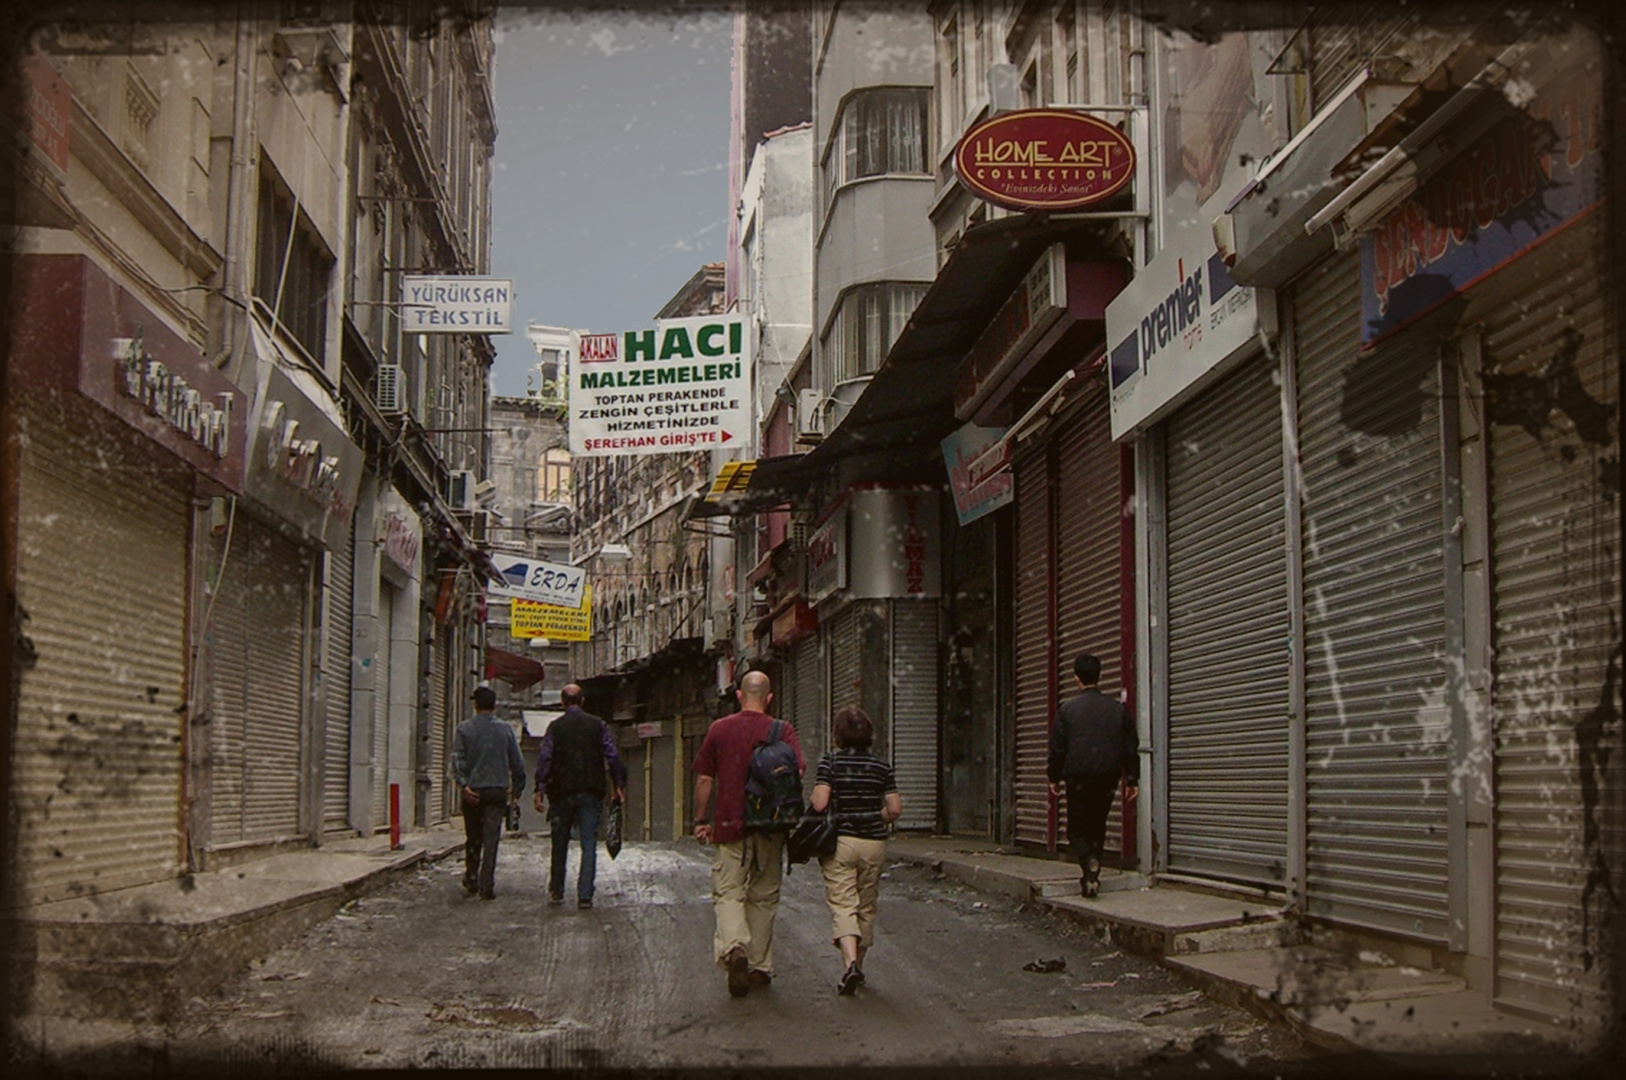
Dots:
pixel 421 976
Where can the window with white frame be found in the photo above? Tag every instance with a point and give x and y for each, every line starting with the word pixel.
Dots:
pixel 864 327
pixel 879 131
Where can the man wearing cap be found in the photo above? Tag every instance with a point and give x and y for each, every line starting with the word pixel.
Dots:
pixel 570 766
pixel 485 763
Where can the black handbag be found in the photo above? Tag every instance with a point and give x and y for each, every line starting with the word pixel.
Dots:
pixel 814 835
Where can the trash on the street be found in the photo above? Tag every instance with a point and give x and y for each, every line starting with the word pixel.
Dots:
pixel 1046 967
pixel 1171 1004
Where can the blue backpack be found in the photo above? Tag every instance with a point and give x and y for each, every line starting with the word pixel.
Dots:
pixel 773 785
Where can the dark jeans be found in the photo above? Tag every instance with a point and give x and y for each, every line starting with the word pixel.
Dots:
pixel 482 828
pixel 582 811
pixel 1089 800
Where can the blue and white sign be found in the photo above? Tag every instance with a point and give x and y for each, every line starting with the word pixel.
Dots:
pixel 525 578
pixel 1176 325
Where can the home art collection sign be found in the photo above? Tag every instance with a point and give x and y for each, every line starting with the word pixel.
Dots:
pixel 1044 159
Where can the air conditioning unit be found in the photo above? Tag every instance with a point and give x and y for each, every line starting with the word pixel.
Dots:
pixel 391 395
pixel 809 415
pixel 480 526
pixel 460 490
pixel 800 529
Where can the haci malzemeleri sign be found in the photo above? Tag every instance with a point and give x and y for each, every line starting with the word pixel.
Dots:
pixel 685 385
pixel 1044 159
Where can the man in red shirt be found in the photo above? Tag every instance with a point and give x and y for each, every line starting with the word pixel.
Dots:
pixel 745 869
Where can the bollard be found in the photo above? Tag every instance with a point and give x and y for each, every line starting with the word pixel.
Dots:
pixel 395 817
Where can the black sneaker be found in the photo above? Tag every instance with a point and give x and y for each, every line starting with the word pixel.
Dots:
pixel 555 899
pixel 488 896
pixel 469 886
pixel 851 980
pixel 739 972
pixel 584 902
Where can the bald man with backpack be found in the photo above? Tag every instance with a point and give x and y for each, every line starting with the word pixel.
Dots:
pixel 747 827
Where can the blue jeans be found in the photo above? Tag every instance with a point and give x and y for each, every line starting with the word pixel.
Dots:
pixel 582 811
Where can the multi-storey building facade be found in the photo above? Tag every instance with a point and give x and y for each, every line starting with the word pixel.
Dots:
pixel 207 267
pixel 1328 520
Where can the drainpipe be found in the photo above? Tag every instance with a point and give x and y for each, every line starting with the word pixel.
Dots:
pixel 239 190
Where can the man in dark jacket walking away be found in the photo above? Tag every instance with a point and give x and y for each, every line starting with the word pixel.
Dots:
pixel 1092 743
pixel 486 763
pixel 570 770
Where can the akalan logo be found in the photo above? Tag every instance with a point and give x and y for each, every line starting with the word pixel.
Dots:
pixel 600 348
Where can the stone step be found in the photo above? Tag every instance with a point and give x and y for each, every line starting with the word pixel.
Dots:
pixel 1272 933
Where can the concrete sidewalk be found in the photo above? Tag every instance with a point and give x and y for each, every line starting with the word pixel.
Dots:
pixel 1248 953
pixel 138 955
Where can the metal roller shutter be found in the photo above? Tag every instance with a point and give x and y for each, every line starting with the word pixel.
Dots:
pixel 103 521
pixel 381 707
pixel 1555 531
pixel 336 728
pixel 810 719
pixel 438 724
pixel 260 624
pixel 846 648
pixel 1377 727
pixel 914 710
pixel 1228 632
pixel 1035 666
pixel 1088 590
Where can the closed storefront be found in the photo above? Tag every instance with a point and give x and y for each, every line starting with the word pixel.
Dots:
pixel 337 629
pixel 1376 719
pixel 1089 597
pixel 121 422
pixel 1035 647
pixel 96 770
pixel 846 643
pixel 1068 596
pixel 381 705
pixel 914 709
pixel 1555 562
pixel 804 675
pixel 1228 659
pixel 258 625
pixel 440 727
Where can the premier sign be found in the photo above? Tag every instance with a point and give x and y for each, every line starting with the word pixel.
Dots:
pixel 1044 159
pixel 684 385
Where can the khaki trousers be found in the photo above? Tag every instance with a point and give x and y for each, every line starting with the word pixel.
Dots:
pixel 852 880
pixel 745 878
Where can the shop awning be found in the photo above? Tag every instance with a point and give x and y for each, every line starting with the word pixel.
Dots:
pixel 519 672
pixel 894 428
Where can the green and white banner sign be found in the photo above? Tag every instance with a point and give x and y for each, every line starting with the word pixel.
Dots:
pixel 685 385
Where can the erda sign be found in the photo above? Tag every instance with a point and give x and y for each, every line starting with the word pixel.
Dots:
pixel 300 463
pixel 525 578
pixel 685 385
pixel 1175 325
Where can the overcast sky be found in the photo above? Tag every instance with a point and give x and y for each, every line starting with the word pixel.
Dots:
pixel 611 180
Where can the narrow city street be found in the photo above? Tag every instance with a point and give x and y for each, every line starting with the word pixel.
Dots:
pixel 419 975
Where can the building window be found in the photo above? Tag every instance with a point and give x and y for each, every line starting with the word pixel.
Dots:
pixel 878 132
pixel 291 279
pixel 866 323
pixel 553 476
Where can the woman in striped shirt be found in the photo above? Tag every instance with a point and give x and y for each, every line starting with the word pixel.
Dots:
pixel 862 792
